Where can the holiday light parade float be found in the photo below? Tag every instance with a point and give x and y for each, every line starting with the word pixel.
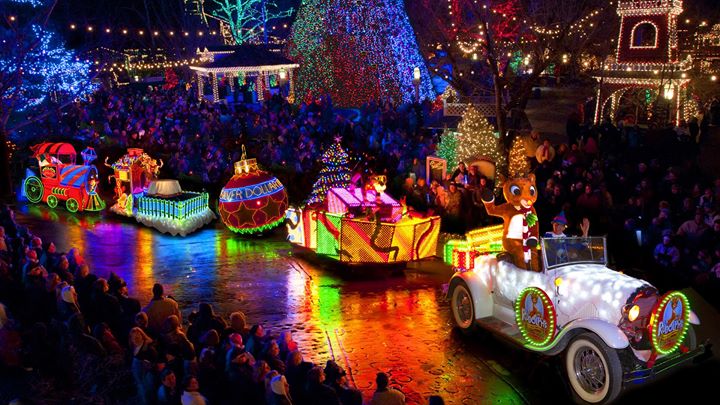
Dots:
pixel 359 225
pixel 612 329
pixel 160 204
pixel 253 201
pixel 59 178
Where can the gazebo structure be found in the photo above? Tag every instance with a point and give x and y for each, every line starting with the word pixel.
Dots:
pixel 241 64
pixel 647 57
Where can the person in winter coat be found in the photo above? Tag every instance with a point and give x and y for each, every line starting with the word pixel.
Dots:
pixel 317 392
pixel 192 395
pixel 159 309
pixel 281 391
pixel 384 395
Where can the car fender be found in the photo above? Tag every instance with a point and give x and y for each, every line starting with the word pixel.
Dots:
pixel 694 318
pixel 609 333
pixel 480 288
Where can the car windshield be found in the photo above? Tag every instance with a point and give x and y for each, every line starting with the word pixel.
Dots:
pixel 563 251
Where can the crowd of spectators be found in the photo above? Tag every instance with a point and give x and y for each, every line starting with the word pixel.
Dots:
pixel 646 192
pixel 59 322
pixel 200 141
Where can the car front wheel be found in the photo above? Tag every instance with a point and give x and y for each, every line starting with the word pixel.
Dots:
pixel 593 370
pixel 462 307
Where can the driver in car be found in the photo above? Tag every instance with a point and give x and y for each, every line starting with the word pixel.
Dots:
pixel 559 224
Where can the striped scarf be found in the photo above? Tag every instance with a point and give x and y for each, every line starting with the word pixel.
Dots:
pixel 526 233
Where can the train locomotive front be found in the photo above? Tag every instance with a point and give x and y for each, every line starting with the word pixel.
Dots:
pixel 59 178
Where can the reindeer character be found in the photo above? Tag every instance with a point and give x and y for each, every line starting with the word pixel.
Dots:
pixel 520 232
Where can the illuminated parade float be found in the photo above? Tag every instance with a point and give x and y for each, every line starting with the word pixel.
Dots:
pixel 61 179
pixel 133 174
pixel 253 201
pixel 614 330
pixel 161 204
pixel 359 225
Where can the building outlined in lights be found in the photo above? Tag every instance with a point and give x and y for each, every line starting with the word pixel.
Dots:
pixel 647 57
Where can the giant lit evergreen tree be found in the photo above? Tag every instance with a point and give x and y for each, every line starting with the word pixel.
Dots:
pixel 477 139
pixel 356 51
pixel 336 173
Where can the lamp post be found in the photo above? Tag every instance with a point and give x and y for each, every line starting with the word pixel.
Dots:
pixel 669 94
pixel 283 77
pixel 416 83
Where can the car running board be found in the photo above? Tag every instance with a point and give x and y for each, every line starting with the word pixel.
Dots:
pixel 502 328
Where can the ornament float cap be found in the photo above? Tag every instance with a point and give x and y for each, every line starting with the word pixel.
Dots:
pixel 244 165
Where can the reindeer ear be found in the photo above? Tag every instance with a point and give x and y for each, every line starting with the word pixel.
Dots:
pixel 531 176
pixel 502 177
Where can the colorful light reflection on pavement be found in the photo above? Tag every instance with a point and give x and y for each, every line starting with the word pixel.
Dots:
pixel 399 324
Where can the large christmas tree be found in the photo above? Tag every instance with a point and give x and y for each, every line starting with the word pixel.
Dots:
pixel 356 51
pixel 335 173
pixel 477 140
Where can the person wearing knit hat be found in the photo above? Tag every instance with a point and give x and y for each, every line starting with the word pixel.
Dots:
pixel 281 390
pixel 68 305
pixel 559 223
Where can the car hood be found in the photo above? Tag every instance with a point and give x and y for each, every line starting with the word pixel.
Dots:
pixel 593 291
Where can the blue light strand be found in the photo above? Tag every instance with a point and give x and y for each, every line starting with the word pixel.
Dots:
pixel 48 68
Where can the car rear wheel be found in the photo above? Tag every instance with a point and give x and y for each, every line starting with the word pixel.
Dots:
pixel 593 370
pixel 462 307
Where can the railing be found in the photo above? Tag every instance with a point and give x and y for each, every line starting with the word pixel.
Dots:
pixel 456 109
pixel 178 210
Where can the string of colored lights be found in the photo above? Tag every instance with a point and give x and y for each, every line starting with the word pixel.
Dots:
pixel 146 66
pixel 356 51
pixel 141 32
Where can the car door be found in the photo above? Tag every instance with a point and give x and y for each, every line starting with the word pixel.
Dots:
pixel 509 281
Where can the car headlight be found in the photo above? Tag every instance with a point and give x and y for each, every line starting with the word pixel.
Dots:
pixel 633 313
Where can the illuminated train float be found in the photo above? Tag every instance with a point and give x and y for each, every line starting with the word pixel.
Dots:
pixel 358 226
pixel 160 204
pixel 59 178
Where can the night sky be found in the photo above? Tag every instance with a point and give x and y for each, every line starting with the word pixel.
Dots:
pixel 130 14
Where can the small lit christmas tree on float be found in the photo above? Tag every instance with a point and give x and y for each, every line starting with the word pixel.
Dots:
pixel 253 201
pixel 334 174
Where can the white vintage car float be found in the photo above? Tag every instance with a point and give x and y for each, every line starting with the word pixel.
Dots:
pixel 614 330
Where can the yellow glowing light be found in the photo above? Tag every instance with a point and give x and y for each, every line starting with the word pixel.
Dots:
pixel 72 26
pixel 558 282
pixel 633 313
pixel 107 30
pixel 124 32
pixel 89 28
pixel 713 78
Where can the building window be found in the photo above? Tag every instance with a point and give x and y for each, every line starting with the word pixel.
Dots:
pixel 644 35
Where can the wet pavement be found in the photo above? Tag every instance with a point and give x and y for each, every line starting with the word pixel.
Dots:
pixel 367 320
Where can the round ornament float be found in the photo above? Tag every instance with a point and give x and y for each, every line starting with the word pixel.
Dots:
pixel 253 201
